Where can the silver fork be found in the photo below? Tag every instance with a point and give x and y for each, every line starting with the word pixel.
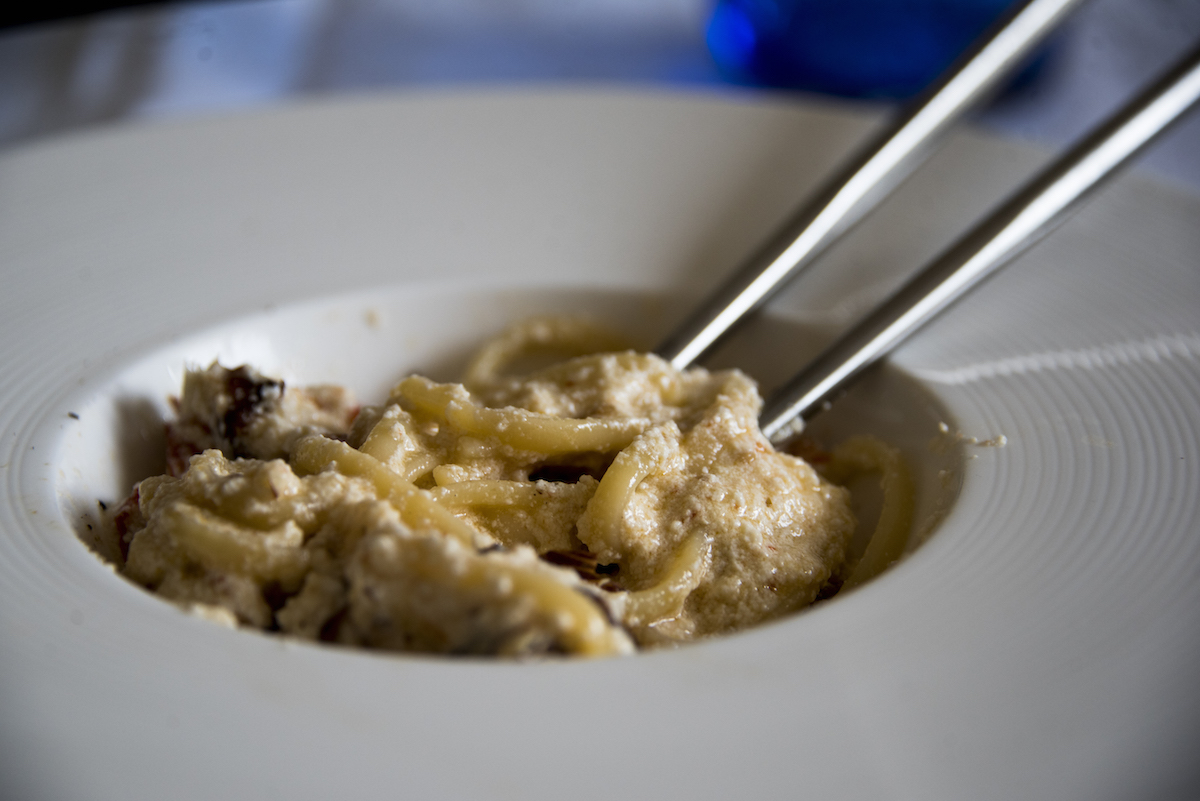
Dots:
pixel 1028 215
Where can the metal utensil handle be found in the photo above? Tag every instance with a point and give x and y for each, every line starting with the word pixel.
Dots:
pixel 868 178
pixel 1028 215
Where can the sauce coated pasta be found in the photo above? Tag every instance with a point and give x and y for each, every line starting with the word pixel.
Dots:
pixel 600 504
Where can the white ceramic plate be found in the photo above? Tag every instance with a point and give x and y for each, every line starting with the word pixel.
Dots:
pixel 1044 643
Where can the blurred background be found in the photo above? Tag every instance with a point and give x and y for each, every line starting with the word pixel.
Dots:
pixel 72 64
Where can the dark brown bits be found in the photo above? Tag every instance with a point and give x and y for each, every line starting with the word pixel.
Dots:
pixel 72 415
pixel 329 631
pixel 248 394
pixel 275 596
pixel 127 520
pixel 585 564
pixel 830 589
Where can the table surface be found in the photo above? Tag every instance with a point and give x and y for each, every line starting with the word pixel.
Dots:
pixel 176 60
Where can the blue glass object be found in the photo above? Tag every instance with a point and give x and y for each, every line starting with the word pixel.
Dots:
pixel 854 48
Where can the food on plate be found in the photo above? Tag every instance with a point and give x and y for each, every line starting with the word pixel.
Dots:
pixel 593 506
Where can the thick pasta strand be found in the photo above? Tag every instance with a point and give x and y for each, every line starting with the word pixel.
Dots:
pixel 587 631
pixel 418 466
pixel 223 544
pixel 314 453
pixel 665 599
pixel 867 454
pixel 384 442
pixel 526 431
pixel 579 619
pixel 541 514
pixel 607 506
pixel 487 492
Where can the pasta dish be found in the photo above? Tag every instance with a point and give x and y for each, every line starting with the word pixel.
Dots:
pixel 595 505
